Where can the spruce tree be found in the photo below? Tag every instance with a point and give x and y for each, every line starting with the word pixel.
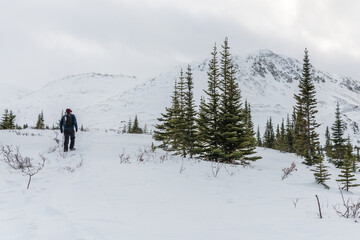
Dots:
pixel 249 144
pixel 189 114
pixel 129 126
pixel 277 138
pixel 164 129
pixel 209 115
pixel 306 138
pixel 347 178
pixel 289 138
pixel 269 136
pixel 337 139
pixel 258 138
pixel 5 120
pixel 11 122
pixel 178 122
pixel 328 144
pixel 321 173
pixel 40 122
pixel 232 116
pixel 135 127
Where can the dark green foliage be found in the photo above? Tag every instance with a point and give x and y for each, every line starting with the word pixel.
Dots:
pixel 269 136
pixel 281 140
pixel 189 114
pixel 40 122
pixel 249 142
pixel 177 121
pixel 135 127
pixel 129 127
pixel 289 138
pixel 347 178
pixel 8 120
pixel 338 147
pixel 258 138
pixel 224 130
pixel 167 131
pixel 328 144
pixel 321 173
pixel 306 139
pixel 208 119
pixel 232 128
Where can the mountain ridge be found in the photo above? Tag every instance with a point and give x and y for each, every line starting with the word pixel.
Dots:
pixel 268 81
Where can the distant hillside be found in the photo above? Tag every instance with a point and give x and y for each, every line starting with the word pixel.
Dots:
pixel 268 82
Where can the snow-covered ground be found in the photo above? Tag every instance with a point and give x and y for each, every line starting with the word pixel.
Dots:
pixel 88 194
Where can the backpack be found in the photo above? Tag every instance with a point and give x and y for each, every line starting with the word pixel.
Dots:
pixel 68 120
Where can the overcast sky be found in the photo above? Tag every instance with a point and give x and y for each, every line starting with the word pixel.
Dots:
pixel 44 40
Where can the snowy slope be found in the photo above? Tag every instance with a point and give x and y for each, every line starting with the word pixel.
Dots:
pixel 78 92
pixel 161 200
pixel 267 80
pixel 10 93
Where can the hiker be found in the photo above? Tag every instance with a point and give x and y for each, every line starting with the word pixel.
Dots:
pixel 67 124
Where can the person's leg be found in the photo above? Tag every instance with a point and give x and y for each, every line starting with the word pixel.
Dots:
pixel 72 138
pixel 66 141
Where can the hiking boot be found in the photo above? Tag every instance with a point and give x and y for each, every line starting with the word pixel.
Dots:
pixel 72 149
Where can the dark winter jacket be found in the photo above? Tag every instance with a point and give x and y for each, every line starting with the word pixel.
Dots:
pixel 62 123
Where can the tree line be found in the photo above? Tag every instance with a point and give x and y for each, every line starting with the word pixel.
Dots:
pixel 298 135
pixel 221 130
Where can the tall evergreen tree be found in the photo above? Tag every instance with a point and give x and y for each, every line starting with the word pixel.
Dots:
pixel 40 122
pixel 337 139
pixel 328 144
pixel 232 128
pixel 258 138
pixel 306 138
pixel 249 144
pixel 129 125
pixel 135 126
pixel 11 123
pixel 189 114
pixel 5 120
pixel 347 178
pixel 165 129
pixel 269 136
pixel 289 138
pixel 281 140
pixel 208 121
pixel 178 121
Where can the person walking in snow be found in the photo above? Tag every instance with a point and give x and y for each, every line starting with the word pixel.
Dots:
pixel 67 124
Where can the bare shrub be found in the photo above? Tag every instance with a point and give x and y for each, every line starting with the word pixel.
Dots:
pixel 57 139
pixel 295 202
pixel 182 168
pixel 230 173
pixel 81 163
pixel 43 159
pixel 124 158
pixel 164 157
pixel 215 168
pixel 288 171
pixel 140 157
pixel 70 169
pixel 15 160
pixel 351 209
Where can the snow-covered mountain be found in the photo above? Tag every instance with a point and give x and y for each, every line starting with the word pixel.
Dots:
pixel 79 92
pixel 268 81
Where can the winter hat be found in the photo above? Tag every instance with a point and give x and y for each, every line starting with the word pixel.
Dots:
pixel 68 110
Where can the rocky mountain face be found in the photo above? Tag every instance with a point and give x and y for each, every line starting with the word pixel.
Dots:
pixel 268 81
